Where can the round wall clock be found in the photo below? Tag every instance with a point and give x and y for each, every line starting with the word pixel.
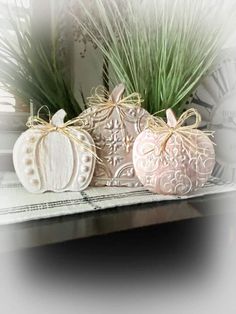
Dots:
pixel 215 99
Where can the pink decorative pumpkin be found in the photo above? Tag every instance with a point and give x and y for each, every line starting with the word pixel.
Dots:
pixel 170 158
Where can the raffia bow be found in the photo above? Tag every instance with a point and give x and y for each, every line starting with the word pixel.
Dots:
pixel 158 125
pixel 102 100
pixel 35 122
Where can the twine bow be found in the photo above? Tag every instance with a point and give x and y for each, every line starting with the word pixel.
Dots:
pixel 35 122
pixel 158 125
pixel 101 100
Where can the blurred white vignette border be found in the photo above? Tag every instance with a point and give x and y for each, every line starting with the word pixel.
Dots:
pixel 205 288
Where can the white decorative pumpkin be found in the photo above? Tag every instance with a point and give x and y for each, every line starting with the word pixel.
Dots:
pixel 53 160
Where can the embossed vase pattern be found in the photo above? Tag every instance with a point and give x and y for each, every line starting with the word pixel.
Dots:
pixel 114 137
pixel 179 169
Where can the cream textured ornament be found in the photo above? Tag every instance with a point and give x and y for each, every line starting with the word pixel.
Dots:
pixel 54 156
pixel 170 158
pixel 114 122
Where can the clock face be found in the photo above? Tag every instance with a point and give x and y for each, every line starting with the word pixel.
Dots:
pixel 215 99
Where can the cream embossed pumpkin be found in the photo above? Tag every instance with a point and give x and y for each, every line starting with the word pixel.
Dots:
pixel 171 158
pixel 54 156
pixel 114 122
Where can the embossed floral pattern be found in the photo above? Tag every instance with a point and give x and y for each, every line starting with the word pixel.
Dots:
pixel 180 168
pixel 115 138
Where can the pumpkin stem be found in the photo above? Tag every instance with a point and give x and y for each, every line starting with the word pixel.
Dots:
pixel 58 118
pixel 117 93
pixel 171 118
